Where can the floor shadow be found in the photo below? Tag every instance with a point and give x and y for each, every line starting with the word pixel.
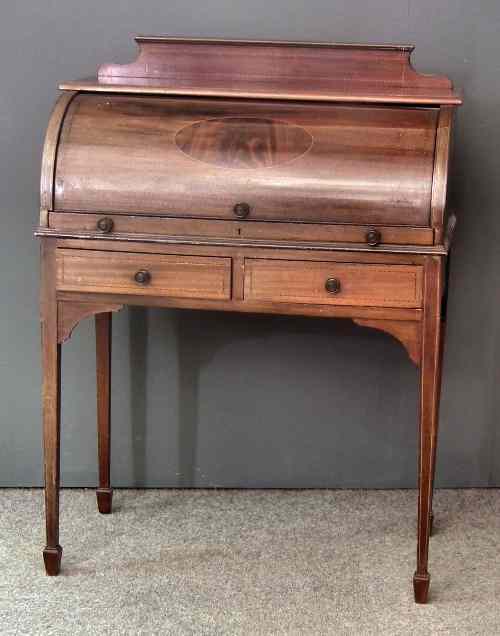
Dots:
pixel 190 354
pixel 200 335
pixel 197 337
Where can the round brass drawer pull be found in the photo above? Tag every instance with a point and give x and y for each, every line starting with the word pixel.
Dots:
pixel 241 210
pixel 332 285
pixel 105 224
pixel 143 277
pixel 373 237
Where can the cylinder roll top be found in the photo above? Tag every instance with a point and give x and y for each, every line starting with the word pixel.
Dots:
pixel 285 161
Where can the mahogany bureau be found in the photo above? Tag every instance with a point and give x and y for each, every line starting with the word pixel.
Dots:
pixel 277 177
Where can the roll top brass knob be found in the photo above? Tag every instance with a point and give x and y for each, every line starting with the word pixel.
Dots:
pixel 241 210
pixel 105 225
pixel 143 277
pixel 333 285
pixel 373 237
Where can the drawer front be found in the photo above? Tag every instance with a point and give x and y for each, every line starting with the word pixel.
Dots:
pixel 330 283
pixel 113 224
pixel 144 274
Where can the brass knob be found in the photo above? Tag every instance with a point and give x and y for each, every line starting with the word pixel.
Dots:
pixel 332 285
pixel 373 237
pixel 105 224
pixel 241 210
pixel 143 277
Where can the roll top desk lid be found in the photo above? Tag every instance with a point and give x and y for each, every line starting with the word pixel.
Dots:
pixel 316 133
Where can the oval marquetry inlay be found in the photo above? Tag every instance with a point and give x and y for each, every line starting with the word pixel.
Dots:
pixel 243 142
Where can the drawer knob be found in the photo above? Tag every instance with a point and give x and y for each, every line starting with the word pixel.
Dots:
pixel 241 210
pixel 373 237
pixel 332 285
pixel 143 277
pixel 105 224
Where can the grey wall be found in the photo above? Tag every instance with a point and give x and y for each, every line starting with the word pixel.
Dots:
pixel 232 400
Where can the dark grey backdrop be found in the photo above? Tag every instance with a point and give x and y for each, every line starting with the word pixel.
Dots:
pixel 229 400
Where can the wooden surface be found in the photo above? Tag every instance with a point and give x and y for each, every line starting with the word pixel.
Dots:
pixel 285 251
pixel 238 230
pixel 70 314
pixel 430 378
pixel 133 239
pixel 406 331
pixel 103 332
pixel 49 152
pixel 258 206
pixel 404 280
pixel 441 168
pixel 104 163
pixel 276 70
pixel 336 93
pixel 360 284
pixel 238 255
pixel 51 405
pixel 179 277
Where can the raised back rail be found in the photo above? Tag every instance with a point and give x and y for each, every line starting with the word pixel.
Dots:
pixel 279 70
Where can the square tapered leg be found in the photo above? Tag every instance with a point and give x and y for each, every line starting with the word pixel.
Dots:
pixel 103 377
pixel 51 407
pixel 430 376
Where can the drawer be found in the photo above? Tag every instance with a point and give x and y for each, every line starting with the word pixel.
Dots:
pixel 112 224
pixel 331 283
pixel 177 276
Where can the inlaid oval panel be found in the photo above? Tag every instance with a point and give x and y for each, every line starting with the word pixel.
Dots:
pixel 243 142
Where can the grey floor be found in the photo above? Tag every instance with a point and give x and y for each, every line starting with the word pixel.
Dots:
pixel 250 562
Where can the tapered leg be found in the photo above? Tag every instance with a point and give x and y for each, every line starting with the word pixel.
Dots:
pixel 103 376
pixel 429 405
pixel 51 407
pixel 438 399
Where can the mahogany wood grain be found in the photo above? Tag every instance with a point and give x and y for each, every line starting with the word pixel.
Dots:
pixel 429 407
pixel 361 94
pixel 238 282
pixel 69 314
pixel 172 58
pixel 168 275
pixel 51 405
pixel 245 176
pixel 280 70
pixel 103 327
pixel 105 164
pixel 49 153
pixel 240 230
pixel 441 169
pixel 366 285
pixel 280 251
pixel 442 340
pixel 407 332
pixel 243 142
pixel 155 241
pixel 250 307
